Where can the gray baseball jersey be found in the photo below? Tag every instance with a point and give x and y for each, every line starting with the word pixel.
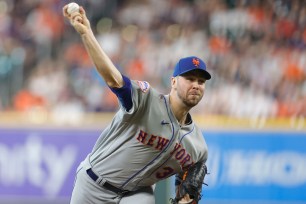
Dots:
pixel 145 144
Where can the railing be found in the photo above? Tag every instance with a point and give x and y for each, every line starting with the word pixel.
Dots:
pixel 91 120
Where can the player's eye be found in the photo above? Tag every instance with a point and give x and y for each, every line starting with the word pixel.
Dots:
pixel 201 81
pixel 190 78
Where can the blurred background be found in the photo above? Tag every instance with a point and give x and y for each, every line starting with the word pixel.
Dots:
pixel 53 104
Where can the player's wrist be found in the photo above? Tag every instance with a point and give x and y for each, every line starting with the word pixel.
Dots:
pixel 87 34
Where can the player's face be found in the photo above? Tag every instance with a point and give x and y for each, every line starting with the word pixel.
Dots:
pixel 190 88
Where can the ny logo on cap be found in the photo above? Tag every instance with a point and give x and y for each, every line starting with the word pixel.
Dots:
pixel 196 62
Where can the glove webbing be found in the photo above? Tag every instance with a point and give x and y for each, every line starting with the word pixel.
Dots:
pixel 191 183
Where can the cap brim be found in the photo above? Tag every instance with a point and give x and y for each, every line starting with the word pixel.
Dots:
pixel 202 72
pixel 207 75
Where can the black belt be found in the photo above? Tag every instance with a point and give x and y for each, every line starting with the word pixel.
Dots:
pixel 106 185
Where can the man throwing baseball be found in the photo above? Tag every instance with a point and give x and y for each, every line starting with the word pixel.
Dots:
pixel 151 137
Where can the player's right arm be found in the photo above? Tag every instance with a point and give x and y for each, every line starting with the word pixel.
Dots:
pixel 102 62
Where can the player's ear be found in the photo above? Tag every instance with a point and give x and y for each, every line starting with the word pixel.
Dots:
pixel 173 82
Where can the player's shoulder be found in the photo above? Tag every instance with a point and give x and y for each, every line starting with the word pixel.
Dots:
pixel 201 142
pixel 143 86
pixel 144 91
pixel 197 128
pixel 199 132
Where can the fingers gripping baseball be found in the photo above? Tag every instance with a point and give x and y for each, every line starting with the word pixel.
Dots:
pixel 78 20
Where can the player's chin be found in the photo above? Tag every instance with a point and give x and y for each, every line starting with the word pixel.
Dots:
pixel 192 102
pixel 195 98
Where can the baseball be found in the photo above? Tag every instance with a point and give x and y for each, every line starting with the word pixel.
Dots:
pixel 73 7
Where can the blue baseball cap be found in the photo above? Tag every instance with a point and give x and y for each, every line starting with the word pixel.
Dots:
pixel 188 64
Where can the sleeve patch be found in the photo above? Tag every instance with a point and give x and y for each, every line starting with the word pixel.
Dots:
pixel 143 85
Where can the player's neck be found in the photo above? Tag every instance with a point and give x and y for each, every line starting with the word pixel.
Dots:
pixel 179 110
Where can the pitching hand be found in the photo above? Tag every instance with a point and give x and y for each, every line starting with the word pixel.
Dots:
pixel 78 20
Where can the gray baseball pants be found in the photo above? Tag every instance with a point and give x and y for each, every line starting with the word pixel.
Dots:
pixel 87 191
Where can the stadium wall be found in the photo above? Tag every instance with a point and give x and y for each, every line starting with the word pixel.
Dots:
pixel 246 164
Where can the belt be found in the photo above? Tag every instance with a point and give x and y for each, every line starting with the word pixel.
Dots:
pixel 106 185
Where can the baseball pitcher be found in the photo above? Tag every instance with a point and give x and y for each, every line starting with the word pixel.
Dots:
pixel 151 137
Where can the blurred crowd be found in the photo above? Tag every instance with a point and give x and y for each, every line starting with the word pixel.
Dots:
pixel 254 49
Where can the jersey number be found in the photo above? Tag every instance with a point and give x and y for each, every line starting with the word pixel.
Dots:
pixel 166 172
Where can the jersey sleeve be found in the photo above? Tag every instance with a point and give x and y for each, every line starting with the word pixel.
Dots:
pixel 124 94
pixel 141 96
pixel 133 96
